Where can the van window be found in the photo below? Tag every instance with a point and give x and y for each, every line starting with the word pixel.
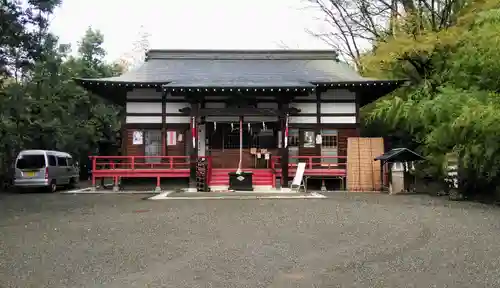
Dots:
pixel 61 161
pixel 69 161
pixel 52 160
pixel 31 161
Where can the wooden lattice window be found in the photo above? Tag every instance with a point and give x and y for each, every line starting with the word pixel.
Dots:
pixel 329 141
pixel 293 137
pixel 152 145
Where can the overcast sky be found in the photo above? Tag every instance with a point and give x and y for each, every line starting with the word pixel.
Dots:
pixel 190 24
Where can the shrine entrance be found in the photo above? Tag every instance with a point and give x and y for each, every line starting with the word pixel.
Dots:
pixel 259 142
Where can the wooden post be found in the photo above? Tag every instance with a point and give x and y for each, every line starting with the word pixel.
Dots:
pixel 193 159
pixel 164 124
pixel 317 129
pixel 284 154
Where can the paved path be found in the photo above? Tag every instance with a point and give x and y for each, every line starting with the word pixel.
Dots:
pixel 355 240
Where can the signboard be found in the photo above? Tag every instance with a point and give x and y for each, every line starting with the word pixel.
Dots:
pixel 137 138
pixel 171 138
pixel 319 139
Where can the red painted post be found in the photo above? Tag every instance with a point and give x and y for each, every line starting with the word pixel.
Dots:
pixel 310 162
pixel 93 170
pixel 93 162
pixel 132 162
pixel 171 160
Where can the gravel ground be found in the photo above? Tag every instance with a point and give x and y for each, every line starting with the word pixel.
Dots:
pixel 348 240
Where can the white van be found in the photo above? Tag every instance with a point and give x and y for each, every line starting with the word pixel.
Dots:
pixel 45 169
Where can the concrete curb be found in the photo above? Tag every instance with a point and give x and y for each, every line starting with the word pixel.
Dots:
pixel 91 191
pixel 164 196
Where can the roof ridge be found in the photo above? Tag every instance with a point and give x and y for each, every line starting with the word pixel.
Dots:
pixel 270 54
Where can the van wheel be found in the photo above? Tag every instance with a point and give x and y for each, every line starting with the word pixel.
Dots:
pixel 52 187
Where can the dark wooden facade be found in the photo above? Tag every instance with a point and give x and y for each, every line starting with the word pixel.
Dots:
pixel 222 86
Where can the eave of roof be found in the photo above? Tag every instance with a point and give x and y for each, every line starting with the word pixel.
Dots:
pixel 400 155
pixel 242 70
pixel 239 86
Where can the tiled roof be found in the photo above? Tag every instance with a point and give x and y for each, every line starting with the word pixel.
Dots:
pixel 245 68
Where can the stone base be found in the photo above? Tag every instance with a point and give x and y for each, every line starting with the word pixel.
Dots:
pixel 116 188
pixel 158 189
pixel 191 190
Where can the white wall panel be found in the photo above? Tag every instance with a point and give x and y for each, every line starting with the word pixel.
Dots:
pixel 177 119
pixel 143 119
pixel 304 107
pixel 143 107
pixel 338 108
pixel 173 107
pixel 303 119
pixel 338 119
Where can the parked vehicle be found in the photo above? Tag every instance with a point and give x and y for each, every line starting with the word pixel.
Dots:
pixel 45 169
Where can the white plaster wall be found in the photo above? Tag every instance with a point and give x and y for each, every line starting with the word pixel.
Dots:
pixel 173 107
pixel 143 107
pixel 338 108
pixel 305 107
pixel 176 119
pixel 302 119
pixel 338 119
pixel 338 94
pixel 143 119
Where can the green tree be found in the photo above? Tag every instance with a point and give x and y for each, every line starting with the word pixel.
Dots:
pixel 451 106
pixel 41 107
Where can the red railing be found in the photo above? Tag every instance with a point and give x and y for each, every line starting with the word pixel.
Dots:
pixel 139 167
pixel 312 162
pixel 139 162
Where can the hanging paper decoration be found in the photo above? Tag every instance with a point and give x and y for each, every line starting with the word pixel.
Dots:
pixel 286 131
pixel 249 128
pixel 232 127
pixel 193 130
pixel 264 126
pixel 215 126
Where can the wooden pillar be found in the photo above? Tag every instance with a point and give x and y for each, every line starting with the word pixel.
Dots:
pixel 317 129
pixel 193 159
pixel 164 124
pixel 284 154
pixel 357 98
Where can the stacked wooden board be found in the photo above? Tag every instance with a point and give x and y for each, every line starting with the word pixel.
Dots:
pixel 363 173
